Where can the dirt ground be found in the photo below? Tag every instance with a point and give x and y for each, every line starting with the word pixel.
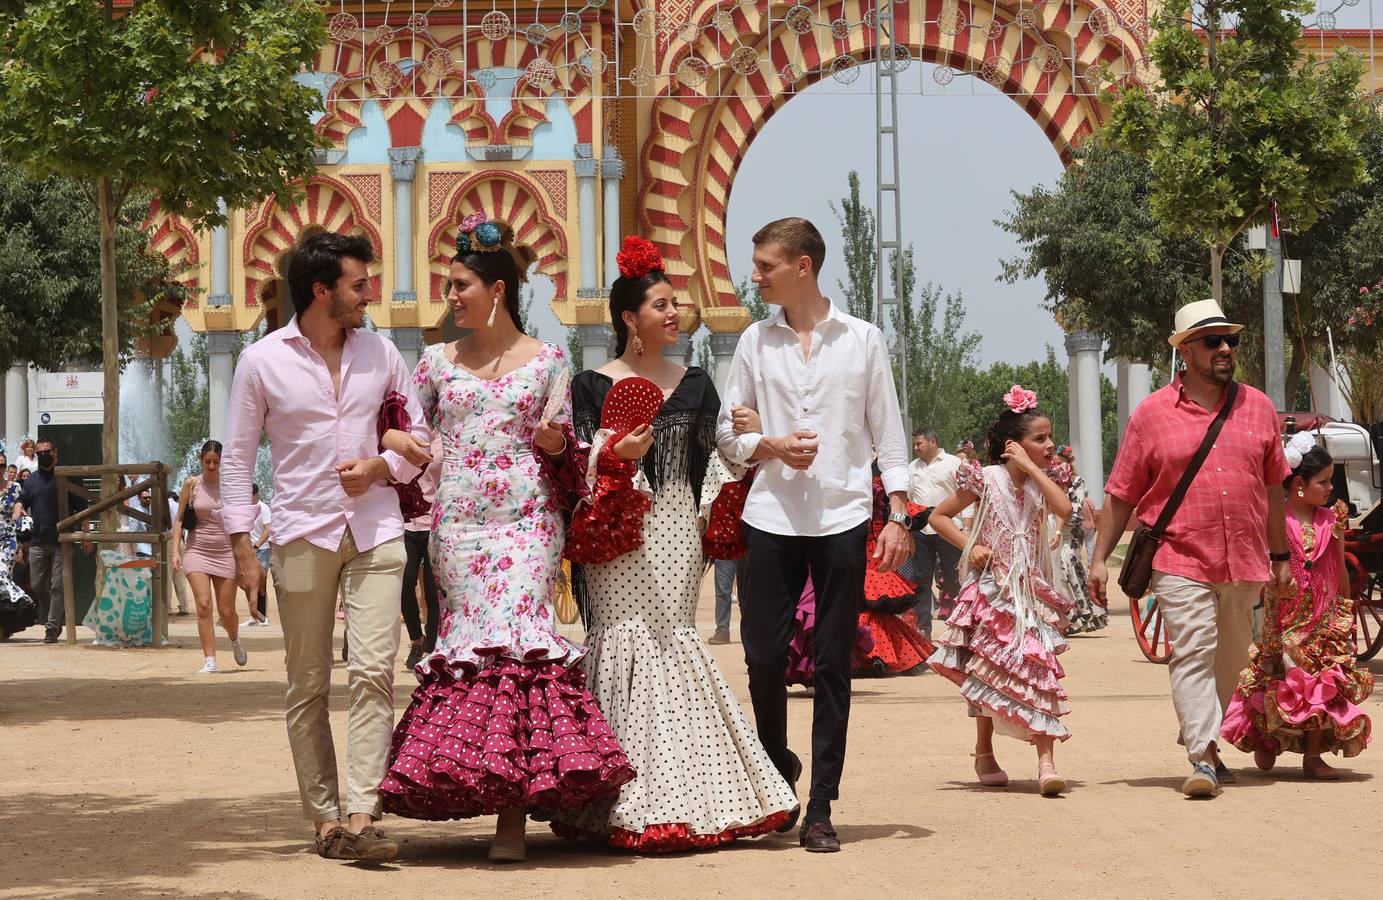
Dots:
pixel 125 774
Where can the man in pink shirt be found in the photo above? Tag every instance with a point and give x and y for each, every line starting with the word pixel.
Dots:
pixel 1224 542
pixel 316 386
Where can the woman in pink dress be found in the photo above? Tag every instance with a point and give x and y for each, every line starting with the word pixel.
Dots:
pixel 1003 637
pixel 208 563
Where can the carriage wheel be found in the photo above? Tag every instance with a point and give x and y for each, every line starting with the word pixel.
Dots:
pixel 1150 630
pixel 1368 619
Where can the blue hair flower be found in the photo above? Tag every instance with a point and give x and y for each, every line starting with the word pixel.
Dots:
pixel 487 234
pixel 463 243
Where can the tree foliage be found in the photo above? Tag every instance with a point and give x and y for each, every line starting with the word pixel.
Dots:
pixel 857 242
pixel 50 303
pixel 1239 119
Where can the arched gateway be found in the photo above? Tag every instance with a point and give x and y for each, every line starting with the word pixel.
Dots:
pixel 587 119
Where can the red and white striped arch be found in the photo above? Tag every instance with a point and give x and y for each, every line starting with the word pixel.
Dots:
pixel 696 143
pixel 328 204
pixel 505 196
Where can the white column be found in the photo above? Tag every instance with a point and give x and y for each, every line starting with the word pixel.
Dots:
pixel 220 264
pixel 220 345
pixel 403 166
pixel 410 343
pixel 1087 438
pixel 1326 395
pixel 597 345
pixel 16 405
pixel 611 170
pixel 586 172
pixel 1121 395
pixel 1139 384
pixel 723 352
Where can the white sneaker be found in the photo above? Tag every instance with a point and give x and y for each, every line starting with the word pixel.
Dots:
pixel 241 657
pixel 209 667
pixel 251 622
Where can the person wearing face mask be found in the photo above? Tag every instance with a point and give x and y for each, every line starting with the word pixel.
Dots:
pixel 38 496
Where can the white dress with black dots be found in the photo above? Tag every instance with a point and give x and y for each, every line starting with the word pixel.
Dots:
pixel 703 777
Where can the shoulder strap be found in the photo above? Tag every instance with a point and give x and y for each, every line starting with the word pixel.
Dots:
pixel 1179 494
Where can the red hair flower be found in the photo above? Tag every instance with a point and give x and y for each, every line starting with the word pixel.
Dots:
pixel 637 257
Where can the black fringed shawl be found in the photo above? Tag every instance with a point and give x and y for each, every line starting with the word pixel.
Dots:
pixel 684 434
pixel 684 437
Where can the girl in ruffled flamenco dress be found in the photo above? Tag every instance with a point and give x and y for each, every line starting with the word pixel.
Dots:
pixel 502 721
pixel 1301 691
pixel 703 777
pixel 1004 635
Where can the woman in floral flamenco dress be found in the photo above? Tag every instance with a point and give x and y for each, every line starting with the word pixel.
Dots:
pixel 703 777
pixel 502 722
pixel 897 646
pixel 1302 691
pixel 1004 635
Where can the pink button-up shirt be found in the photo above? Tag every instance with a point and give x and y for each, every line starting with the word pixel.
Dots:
pixel 1220 532
pixel 283 386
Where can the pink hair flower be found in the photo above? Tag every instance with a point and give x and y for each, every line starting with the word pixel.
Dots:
pixel 1019 399
pixel 471 222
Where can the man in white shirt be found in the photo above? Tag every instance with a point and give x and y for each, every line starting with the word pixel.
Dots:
pixel 931 479
pixel 822 385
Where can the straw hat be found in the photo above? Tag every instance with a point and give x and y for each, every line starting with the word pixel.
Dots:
pixel 1195 317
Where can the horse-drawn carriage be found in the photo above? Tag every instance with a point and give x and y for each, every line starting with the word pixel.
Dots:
pixel 1357 482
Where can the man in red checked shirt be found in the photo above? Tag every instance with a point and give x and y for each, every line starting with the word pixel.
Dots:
pixel 1226 540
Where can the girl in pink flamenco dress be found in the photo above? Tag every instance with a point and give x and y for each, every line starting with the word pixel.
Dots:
pixel 1301 692
pixel 1005 632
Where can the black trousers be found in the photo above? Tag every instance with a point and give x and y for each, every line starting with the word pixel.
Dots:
pixel 415 546
pixel 937 560
pixel 777 570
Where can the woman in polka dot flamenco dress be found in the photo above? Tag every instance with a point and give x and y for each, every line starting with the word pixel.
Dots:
pixel 502 722
pixel 704 779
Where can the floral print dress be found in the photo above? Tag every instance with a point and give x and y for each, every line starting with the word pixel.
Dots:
pixel 502 717
pixel 17 610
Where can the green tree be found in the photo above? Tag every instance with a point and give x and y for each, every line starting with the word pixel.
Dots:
pixel 50 309
pixel 940 352
pixel 752 301
pixel 1239 119
pixel 188 401
pixel 857 248
pixel 703 355
pixel 193 102
pixel 576 354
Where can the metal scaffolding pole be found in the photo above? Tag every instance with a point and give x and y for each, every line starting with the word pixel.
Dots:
pixel 888 208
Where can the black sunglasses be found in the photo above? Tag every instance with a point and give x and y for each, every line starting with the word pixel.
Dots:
pixel 1212 342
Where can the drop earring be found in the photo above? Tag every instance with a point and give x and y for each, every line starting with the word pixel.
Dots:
pixel 494 308
pixel 1301 493
pixel 637 343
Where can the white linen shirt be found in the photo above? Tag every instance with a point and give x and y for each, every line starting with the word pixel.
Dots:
pixel 931 482
pixel 844 392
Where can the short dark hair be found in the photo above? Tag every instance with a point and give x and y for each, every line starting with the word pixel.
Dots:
pixel 316 259
pixel 48 441
pixel 924 432
pixel 254 489
pixel 797 236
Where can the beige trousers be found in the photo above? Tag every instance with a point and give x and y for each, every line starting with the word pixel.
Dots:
pixel 1210 627
pixel 307 579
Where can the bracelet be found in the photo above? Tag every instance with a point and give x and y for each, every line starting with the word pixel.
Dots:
pixel 1279 557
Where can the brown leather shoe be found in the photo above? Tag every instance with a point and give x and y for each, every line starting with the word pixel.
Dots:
pixel 370 845
pixel 819 837
pixel 329 844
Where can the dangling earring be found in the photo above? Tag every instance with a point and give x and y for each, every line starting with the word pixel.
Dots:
pixel 494 308
pixel 1301 493
pixel 637 343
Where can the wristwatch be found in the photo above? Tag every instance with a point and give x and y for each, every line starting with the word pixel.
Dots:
pixel 1279 557
pixel 899 519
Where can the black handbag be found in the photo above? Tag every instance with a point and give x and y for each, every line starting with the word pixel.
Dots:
pixel 189 513
pixel 1136 574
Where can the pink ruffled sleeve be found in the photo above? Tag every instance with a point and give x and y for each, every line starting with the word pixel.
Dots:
pixel 970 477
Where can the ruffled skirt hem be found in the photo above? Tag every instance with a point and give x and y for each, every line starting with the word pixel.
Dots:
pixel 526 735
pixel 673 837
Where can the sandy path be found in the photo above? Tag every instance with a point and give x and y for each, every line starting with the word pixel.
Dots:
pixel 126 775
